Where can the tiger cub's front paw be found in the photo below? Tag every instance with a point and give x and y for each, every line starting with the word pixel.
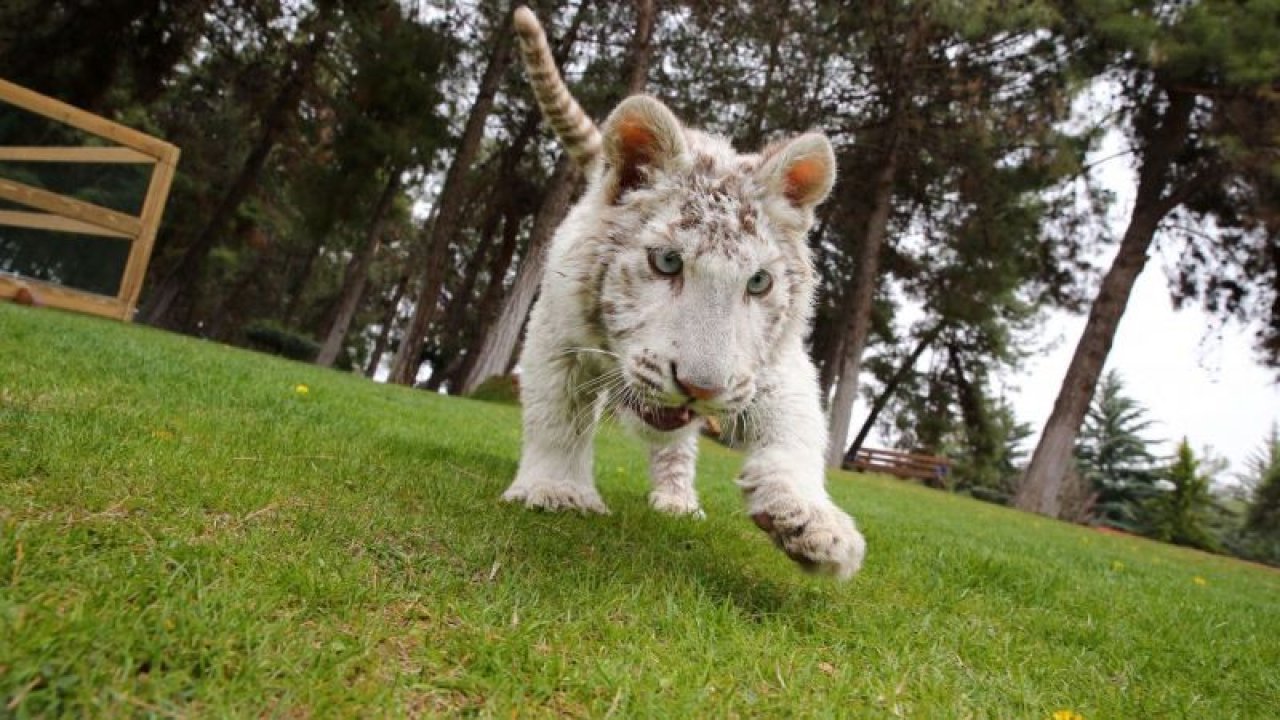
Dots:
pixel 556 496
pixel 672 503
pixel 819 536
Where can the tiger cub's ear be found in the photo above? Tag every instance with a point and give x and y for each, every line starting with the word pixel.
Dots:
pixel 641 137
pixel 801 170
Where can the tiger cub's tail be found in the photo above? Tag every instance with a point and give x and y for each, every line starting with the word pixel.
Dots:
pixel 579 134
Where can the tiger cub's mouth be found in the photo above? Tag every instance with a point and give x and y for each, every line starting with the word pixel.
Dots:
pixel 664 418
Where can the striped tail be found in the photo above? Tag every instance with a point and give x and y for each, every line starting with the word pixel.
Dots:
pixel 579 134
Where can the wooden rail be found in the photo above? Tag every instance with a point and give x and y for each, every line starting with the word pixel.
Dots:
pixel 931 468
pixel 59 213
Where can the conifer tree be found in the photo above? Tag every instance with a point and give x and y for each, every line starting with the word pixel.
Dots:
pixel 1178 515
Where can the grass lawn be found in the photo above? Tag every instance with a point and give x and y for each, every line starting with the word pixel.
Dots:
pixel 183 532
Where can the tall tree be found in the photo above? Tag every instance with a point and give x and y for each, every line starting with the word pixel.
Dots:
pixel 295 78
pixel 896 48
pixel 959 99
pixel 404 368
pixel 1178 68
pixel 970 214
pixel 387 121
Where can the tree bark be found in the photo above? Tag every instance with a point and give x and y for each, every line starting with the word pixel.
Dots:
pixel 487 307
pixel 1042 485
pixel 756 132
pixel 861 296
pixel 456 327
pixel 500 342
pixel 404 368
pixel 640 50
pixel 356 276
pixel 298 75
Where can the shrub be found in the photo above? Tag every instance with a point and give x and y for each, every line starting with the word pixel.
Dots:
pixel 503 389
pixel 271 337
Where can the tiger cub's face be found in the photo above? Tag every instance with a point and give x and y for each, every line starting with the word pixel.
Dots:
pixel 704 269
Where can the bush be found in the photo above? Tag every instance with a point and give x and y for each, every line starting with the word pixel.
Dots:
pixel 503 389
pixel 276 339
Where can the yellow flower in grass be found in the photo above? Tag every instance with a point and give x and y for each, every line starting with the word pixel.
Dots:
pixel 1199 581
pixel 1117 566
pixel 1067 715
pixel 301 389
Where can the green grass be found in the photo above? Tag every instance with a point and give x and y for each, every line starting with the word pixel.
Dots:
pixel 182 533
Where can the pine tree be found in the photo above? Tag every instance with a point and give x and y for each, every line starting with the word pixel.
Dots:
pixel 1113 456
pixel 1178 515
pixel 1264 506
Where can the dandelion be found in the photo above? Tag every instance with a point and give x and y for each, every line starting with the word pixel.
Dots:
pixel 1199 581
pixel 301 389
pixel 162 434
pixel 1067 715
pixel 1117 566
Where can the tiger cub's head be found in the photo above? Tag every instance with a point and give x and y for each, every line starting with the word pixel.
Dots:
pixel 704 272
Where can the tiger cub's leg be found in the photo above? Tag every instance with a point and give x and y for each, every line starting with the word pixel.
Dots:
pixel 671 470
pixel 555 455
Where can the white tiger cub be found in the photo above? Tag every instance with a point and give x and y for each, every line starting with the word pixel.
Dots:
pixel 680 287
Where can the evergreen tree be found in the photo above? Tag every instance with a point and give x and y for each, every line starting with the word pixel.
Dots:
pixel 1113 456
pixel 1179 514
pixel 1264 506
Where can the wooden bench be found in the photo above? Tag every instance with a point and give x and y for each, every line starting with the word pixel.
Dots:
pixel 933 469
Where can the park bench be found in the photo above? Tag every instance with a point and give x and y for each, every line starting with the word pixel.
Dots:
pixel 933 469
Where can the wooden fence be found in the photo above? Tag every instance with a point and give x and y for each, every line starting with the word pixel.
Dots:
pixel 59 213
pixel 933 469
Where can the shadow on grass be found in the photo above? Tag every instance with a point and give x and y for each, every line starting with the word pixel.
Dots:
pixel 710 561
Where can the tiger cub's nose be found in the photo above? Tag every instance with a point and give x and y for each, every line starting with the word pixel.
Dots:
pixel 697 389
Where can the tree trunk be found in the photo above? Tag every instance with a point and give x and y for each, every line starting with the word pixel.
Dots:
pixel 891 388
pixel 973 411
pixel 298 75
pixel 298 285
pixel 384 330
pixel 1042 485
pixel 486 308
pixel 500 342
pixel 640 50
pixel 457 327
pixel 356 276
pixel 404 368
pixel 756 130
pixel 860 297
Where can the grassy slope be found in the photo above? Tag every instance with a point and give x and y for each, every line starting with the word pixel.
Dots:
pixel 183 533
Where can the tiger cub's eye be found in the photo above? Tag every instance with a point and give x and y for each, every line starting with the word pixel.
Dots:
pixel 759 283
pixel 666 261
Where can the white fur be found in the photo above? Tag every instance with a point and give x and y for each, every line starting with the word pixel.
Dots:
pixel 580 362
